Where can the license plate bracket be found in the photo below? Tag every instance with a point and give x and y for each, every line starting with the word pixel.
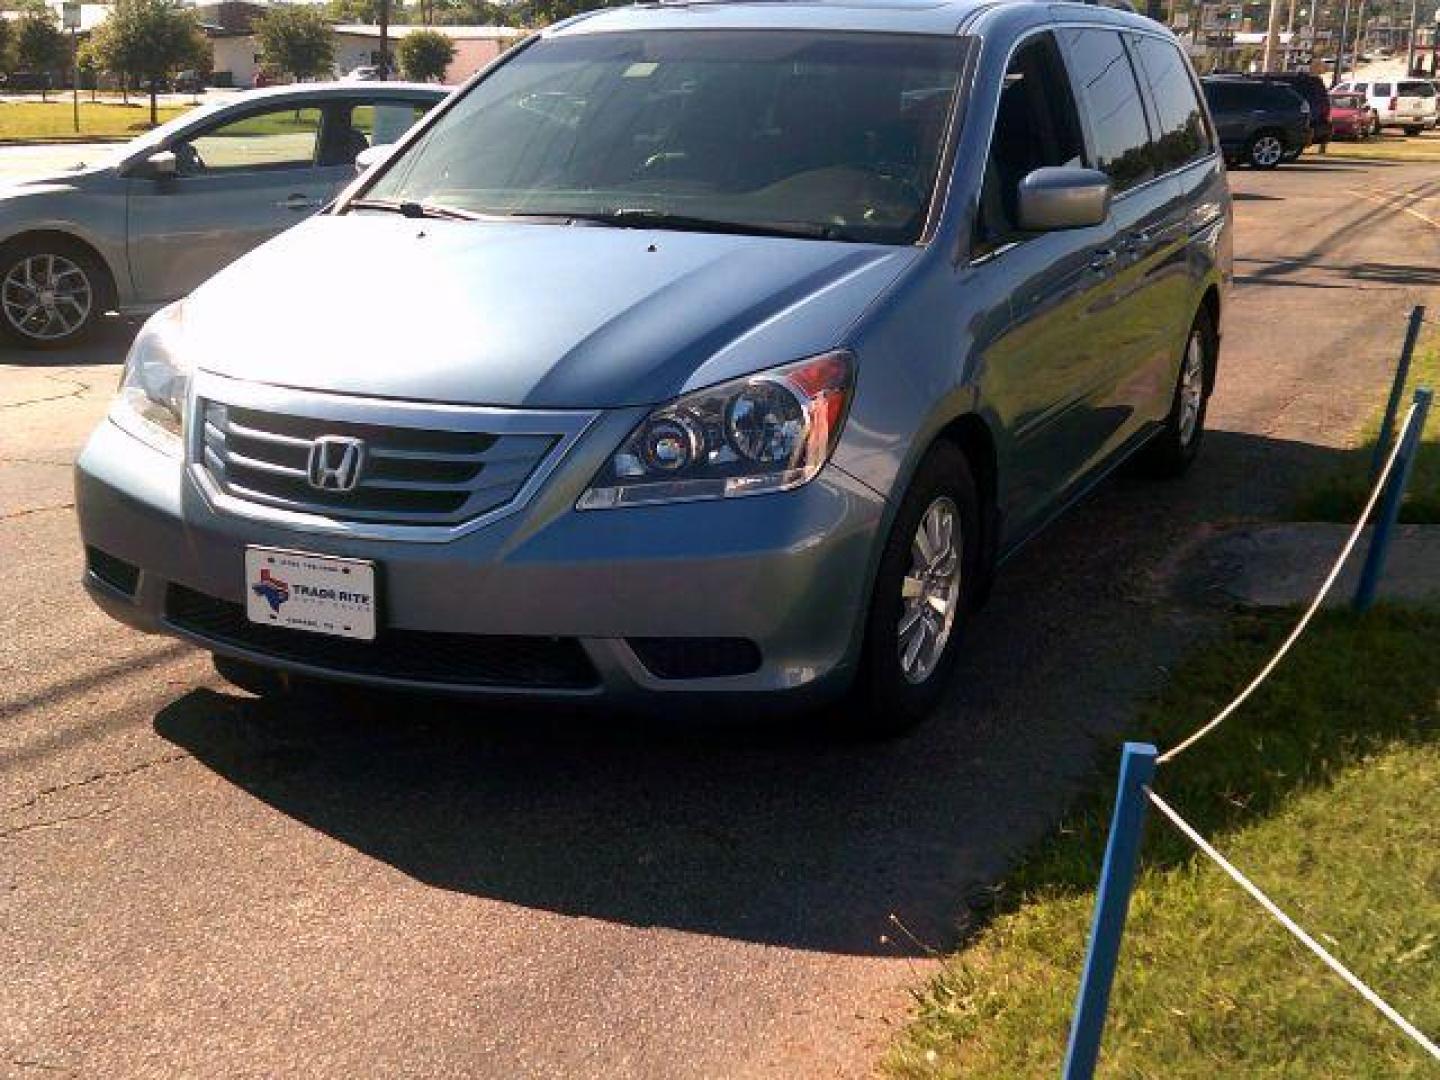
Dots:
pixel 317 594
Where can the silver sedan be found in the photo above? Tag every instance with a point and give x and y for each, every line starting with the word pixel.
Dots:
pixel 159 215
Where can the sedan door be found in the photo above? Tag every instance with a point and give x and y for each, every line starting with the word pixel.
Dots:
pixel 241 179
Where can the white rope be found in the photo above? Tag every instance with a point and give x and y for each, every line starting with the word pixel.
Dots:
pixel 1289 924
pixel 1225 713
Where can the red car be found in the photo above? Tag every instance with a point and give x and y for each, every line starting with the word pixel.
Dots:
pixel 1351 117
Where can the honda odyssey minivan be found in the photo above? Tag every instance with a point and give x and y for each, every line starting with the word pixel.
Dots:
pixel 691 350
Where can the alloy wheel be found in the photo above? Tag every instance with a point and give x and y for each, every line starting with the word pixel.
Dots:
pixel 1192 388
pixel 1266 151
pixel 930 591
pixel 46 297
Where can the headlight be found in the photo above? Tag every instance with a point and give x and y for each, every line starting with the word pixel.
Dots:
pixel 767 432
pixel 156 383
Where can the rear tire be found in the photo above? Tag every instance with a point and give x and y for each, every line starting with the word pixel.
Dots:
pixel 925 588
pixel 52 292
pixel 1265 150
pixel 1173 451
pixel 1413 130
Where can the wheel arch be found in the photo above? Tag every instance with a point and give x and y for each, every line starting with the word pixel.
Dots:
pixel 971 434
pixel 1210 304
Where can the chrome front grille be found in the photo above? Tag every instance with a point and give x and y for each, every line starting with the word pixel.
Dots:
pixel 426 467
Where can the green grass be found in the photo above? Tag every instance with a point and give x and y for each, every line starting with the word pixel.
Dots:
pixel 98 120
pixel 1388 148
pixel 1339 495
pixel 1326 791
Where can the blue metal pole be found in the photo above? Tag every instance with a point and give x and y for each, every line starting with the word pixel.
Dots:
pixel 1112 902
pixel 1390 507
pixel 1397 389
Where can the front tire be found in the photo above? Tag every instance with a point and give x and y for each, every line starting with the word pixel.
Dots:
pixel 928 580
pixel 1174 450
pixel 1265 150
pixel 51 293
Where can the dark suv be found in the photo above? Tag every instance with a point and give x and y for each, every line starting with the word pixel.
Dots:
pixel 1259 122
pixel 1312 89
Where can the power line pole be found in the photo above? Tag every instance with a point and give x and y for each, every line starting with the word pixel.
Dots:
pixel 1272 33
pixel 384 39
pixel 1410 40
pixel 1340 45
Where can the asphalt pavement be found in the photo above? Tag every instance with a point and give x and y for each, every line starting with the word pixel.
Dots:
pixel 195 882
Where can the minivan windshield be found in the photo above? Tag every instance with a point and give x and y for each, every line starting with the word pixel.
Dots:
pixel 776 132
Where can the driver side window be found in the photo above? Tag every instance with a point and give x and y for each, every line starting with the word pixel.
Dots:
pixel 284 138
pixel 1036 125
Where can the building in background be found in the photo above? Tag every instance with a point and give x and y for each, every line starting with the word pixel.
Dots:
pixel 358 44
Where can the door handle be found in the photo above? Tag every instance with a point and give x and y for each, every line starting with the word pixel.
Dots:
pixel 1102 261
pixel 297 202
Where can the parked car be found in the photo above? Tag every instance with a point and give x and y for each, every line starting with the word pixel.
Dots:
pixel 1351 116
pixel 733 378
pixel 187 82
pixel 152 219
pixel 1409 104
pixel 365 73
pixel 1312 89
pixel 1259 123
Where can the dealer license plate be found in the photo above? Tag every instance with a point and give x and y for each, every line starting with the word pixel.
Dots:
pixel 317 593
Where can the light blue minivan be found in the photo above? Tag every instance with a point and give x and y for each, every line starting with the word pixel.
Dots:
pixel 692 349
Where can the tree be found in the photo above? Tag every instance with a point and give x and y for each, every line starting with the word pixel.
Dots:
pixel 89 65
pixel 425 54
pixel 39 45
pixel 147 41
pixel 543 12
pixel 297 40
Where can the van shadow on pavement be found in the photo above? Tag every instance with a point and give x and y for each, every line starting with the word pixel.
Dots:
pixel 776 832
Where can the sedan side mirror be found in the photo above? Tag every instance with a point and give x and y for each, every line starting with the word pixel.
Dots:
pixel 160 165
pixel 1064 198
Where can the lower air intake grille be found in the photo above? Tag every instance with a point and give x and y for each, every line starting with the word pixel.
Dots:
pixel 534 663
pixel 117 573
pixel 697 658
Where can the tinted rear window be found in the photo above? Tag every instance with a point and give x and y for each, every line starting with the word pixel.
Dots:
pixel 1101 72
pixel 1416 89
pixel 1183 136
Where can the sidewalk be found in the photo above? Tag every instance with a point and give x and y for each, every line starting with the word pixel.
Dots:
pixel 1284 565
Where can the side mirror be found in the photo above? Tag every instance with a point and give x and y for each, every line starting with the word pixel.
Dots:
pixel 1063 198
pixel 372 155
pixel 160 165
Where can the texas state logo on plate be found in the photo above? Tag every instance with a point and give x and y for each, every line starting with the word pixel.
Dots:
pixel 316 593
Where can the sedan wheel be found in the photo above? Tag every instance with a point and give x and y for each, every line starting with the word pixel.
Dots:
pixel 48 298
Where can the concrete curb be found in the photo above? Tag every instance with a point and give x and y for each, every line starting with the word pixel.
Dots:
pixel 1270 566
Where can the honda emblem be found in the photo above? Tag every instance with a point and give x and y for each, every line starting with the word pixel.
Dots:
pixel 335 463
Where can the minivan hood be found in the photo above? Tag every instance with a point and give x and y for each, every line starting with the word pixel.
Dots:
pixel 534 315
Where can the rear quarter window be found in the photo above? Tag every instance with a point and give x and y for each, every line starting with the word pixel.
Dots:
pixel 1183 135
pixel 1417 89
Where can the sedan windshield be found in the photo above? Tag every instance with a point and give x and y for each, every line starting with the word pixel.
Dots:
pixel 824 135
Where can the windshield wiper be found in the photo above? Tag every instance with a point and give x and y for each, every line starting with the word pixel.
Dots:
pixel 413 209
pixel 640 217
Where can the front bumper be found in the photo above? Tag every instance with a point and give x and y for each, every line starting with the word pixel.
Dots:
pixel 788 572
